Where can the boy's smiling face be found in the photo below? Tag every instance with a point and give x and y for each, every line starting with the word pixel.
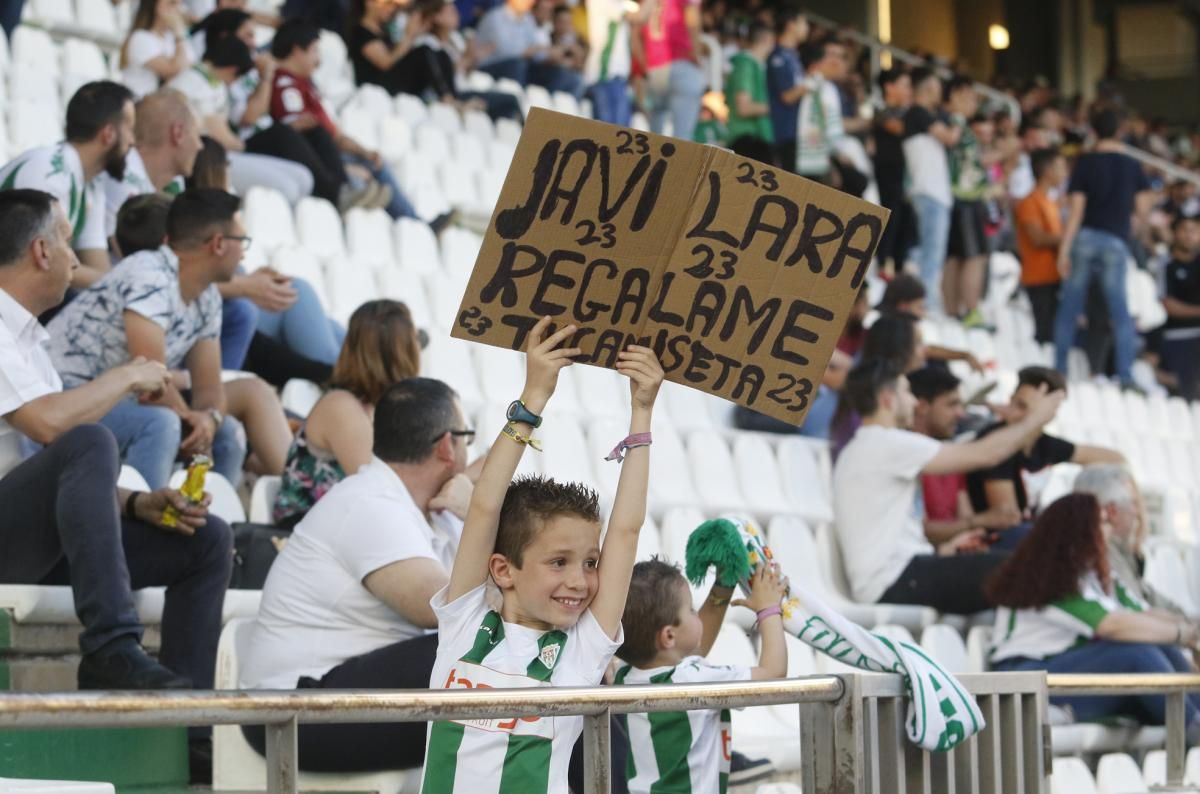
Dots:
pixel 558 576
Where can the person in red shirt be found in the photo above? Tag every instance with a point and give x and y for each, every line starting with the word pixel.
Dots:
pixel 949 519
pixel 295 100
pixel 1039 232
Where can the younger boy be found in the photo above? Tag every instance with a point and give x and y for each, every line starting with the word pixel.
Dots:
pixel 559 622
pixel 666 641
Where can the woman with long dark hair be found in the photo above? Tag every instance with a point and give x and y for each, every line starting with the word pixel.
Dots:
pixel 1060 609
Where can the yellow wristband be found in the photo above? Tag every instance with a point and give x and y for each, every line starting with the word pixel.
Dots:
pixel 510 430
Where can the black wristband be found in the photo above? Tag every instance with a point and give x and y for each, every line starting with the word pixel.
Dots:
pixel 129 504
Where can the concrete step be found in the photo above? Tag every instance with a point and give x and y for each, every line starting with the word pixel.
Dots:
pixel 51 638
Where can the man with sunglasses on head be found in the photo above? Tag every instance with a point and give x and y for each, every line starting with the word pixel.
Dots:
pixel 163 305
pixel 346 604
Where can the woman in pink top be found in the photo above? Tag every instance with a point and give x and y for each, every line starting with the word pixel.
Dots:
pixel 675 83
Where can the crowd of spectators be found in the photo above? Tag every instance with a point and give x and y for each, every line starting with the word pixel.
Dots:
pixel 123 299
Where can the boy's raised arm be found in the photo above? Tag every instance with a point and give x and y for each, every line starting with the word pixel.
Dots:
pixel 629 507
pixel 543 361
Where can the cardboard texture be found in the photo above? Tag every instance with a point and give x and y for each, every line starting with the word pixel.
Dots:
pixel 738 274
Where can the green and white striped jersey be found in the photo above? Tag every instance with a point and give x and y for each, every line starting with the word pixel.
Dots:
pixel 477 649
pixel 1042 633
pixel 58 171
pixel 680 752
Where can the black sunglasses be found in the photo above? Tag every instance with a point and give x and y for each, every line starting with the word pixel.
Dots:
pixel 468 434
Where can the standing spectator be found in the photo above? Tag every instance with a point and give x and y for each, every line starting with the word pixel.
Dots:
pixel 155 50
pixel 1002 486
pixel 1060 610
pixel 295 100
pixel 785 83
pixel 875 480
pixel 610 60
pixel 1039 233
pixel 927 135
pixel 382 348
pixel 675 83
pixel 206 85
pixel 511 45
pixel 890 174
pixel 65 520
pixel 821 128
pixel 163 305
pixel 1107 187
pixel 962 281
pixel 168 140
pixel 1021 179
pixel 100 124
pixel 1181 298
pixel 749 125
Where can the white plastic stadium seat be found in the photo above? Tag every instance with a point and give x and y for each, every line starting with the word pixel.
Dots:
pixel 1071 776
pixel 269 219
pixel 97 16
pixel 979 643
pixel 713 473
pixel 416 246
pixel 445 117
pixel 262 499
pixel 319 226
pixel 237 767
pixel 131 479
pixel 758 474
pixel 299 262
pixel 566 453
pixel 369 237
pixel 34 48
pixel 946 646
pixel 806 477
pixel 395 138
pixel 225 500
pixel 410 108
pixel 1118 773
pixel 670 472
pixel 299 396
pixel 350 287
pixel 649 541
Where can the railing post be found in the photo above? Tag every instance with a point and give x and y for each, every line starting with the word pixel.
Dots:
pixel 282 757
pixel 1176 737
pixel 597 753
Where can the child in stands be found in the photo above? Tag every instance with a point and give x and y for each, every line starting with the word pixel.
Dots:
pixel 666 640
pixel 559 622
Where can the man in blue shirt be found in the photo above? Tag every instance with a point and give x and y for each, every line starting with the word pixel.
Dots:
pixel 785 84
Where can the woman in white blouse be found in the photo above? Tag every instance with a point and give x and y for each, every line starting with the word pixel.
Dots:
pixel 155 50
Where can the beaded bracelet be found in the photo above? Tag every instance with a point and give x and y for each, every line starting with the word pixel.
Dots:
pixel 510 430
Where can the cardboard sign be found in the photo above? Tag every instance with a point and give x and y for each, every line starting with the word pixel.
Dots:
pixel 739 275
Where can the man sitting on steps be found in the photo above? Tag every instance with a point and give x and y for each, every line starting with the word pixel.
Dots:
pixel 65 521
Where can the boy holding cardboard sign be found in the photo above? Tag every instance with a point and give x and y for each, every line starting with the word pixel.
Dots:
pixel 559 622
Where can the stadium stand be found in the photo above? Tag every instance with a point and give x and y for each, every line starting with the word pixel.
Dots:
pixel 703 466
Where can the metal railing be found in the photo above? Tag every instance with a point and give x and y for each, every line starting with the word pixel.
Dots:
pixel 850 739
pixel 281 712
pixel 1174 686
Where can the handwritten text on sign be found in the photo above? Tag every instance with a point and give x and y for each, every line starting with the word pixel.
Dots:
pixel 739 275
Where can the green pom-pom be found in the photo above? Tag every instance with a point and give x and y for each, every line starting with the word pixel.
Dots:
pixel 718 543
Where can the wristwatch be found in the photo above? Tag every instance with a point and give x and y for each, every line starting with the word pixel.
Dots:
pixel 217 417
pixel 517 412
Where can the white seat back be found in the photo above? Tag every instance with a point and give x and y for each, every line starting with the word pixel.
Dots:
pixel 946 646
pixel 262 499
pixel 226 503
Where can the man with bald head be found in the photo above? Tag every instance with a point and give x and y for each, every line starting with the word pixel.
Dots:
pixel 167 140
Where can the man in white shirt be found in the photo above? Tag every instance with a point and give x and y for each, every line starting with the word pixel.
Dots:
pixel 65 521
pixel 346 604
pixel 168 140
pixel 876 488
pixel 100 119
